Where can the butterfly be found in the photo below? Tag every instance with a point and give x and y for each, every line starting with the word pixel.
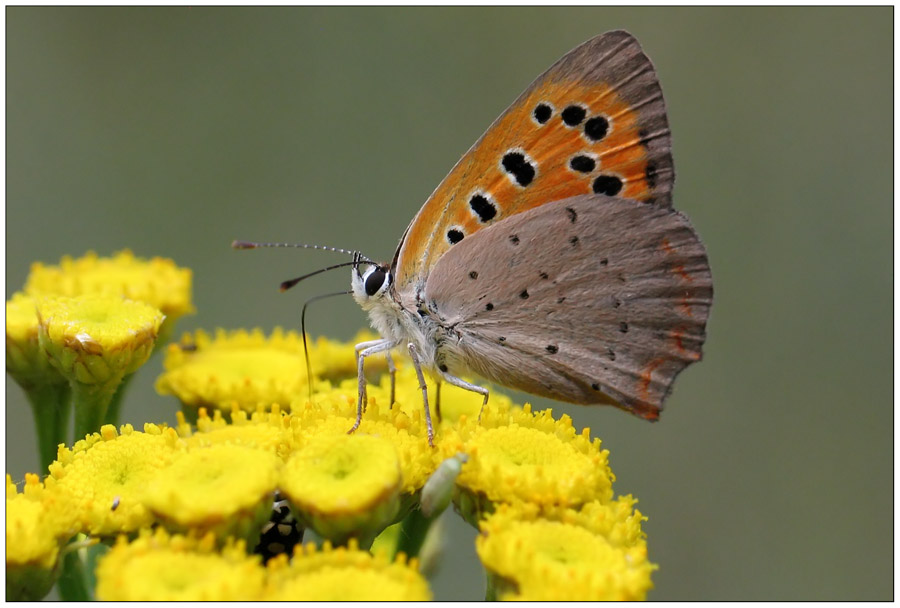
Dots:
pixel 550 259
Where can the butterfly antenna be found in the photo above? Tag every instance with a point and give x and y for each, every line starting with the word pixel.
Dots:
pixel 309 375
pixel 254 245
pixel 285 285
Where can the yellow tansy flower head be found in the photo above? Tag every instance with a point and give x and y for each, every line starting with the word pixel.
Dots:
pixel 240 367
pixel 565 554
pixel 345 574
pixel 225 489
pixel 38 523
pixel 157 282
pixel 334 413
pixel 97 340
pixel 25 361
pixel 517 455
pixel 265 430
pixel 103 477
pixel 159 567
pixel 344 485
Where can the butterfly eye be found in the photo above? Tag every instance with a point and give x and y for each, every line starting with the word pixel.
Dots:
pixel 375 279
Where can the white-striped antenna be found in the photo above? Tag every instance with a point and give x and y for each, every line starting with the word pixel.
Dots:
pixel 285 285
pixel 254 245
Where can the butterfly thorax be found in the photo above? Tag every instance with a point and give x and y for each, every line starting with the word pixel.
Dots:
pixel 400 317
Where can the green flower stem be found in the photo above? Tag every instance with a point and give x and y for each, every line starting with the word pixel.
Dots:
pixel 497 586
pixel 50 406
pixel 91 405
pixel 413 531
pixel 115 405
pixel 73 584
pixel 91 555
pixel 490 592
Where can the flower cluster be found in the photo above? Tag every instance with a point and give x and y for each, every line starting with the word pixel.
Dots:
pixel 160 566
pixel 78 330
pixel 157 281
pixel 260 453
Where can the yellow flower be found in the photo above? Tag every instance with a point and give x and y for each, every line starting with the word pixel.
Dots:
pixel 95 341
pixel 344 574
pixel 597 553
pixel 103 477
pixel 617 520
pixel 25 361
pixel 157 282
pixel 518 455
pixel 224 489
pixel 160 567
pixel 247 368
pixel 38 523
pixel 344 485
pixel 266 430
pixel 334 413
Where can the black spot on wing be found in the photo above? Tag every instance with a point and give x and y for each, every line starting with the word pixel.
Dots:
pixel 573 115
pixel 607 184
pixel 582 163
pixel 519 168
pixel 542 113
pixel 483 208
pixel 596 128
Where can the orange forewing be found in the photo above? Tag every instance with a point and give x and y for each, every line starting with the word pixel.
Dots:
pixel 623 152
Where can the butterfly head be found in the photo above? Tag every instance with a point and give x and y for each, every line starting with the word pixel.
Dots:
pixel 370 282
pixel 372 285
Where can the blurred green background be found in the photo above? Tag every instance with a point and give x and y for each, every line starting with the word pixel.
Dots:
pixel 172 131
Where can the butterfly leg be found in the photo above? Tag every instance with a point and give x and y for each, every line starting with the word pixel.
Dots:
pixel 469 387
pixel 414 354
pixel 362 382
pixel 363 350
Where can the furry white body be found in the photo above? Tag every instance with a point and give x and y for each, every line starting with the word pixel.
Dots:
pixel 401 322
pixel 408 324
